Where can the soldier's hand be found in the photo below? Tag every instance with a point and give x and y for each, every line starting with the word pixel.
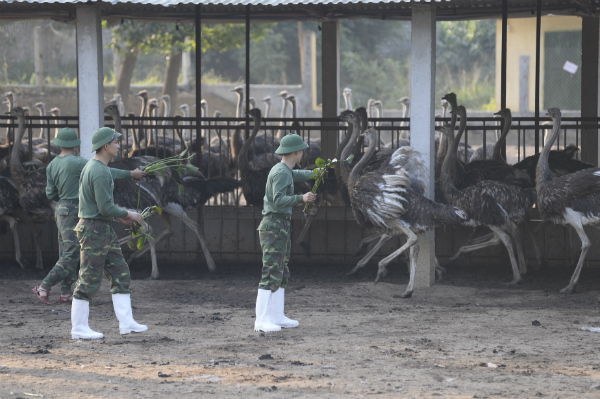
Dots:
pixel 136 217
pixel 125 221
pixel 138 174
pixel 309 197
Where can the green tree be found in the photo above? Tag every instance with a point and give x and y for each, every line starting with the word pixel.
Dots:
pixel 466 53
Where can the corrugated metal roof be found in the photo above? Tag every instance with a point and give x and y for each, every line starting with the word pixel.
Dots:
pixel 288 10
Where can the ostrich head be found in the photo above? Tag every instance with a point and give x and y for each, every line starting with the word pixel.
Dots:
pixel 152 105
pixel 55 111
pixel 347 91
pixel 256 115
pixel 239 90
pixel 112 110
pixel 10 99
pixel 185 109
pixel 554 113
pixel 267 100
pixel 451 98
pixel 217 114
pixel 26 111
pixel 17 111
pixel 283 94
pixel 41 107
pixel 143 94
pixel 165 98
pixel 504 113
pixel 404 101
pixel 349 116
pixel 204 107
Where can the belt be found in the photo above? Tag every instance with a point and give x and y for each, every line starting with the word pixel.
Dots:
pixel 96 220
pixel 278 216
pixel 70 201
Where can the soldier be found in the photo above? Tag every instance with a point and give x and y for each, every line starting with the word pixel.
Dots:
pixel 100 250
pixel 275 231
pixel 63 186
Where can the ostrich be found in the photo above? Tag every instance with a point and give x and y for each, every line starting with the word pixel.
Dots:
pixel 489 203
pixel 494 151
pixel 185 111
pixel 405 103
pixel 143 94
pixel 41 107
pixel 31 185
pixel 253 180
pixel 390 200
pixel 164 192
pixel 267 101
pixel 239 109
pixel 118 100
pixel 314 144
pixel 283 95
pixel 9 212
pixel 347 93
pixel 55 112
pixel 572 199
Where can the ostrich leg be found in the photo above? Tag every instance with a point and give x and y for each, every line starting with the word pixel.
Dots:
pixel 516 234
pixel 12 223
pixel 414 255
pixel 314 210
pixel 178 212
pixel 506 239
pixel 362 263
pixel 585 247
pixel 493 239
pixel 411 239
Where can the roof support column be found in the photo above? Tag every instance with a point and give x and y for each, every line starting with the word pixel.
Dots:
pixel 422 119
pixel 90 77
pixel 330 56
pixel 590 30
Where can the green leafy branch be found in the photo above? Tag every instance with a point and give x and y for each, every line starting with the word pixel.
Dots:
pixel 319 174
pixel 180 163
pixel 138 235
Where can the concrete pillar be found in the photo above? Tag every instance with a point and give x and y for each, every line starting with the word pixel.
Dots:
pixel 523 85
pixel 330 58
pixel 590 31
pixel 422 119
pixel 90 78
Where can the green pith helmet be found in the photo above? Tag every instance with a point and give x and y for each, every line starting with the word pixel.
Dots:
pixel 291 143
pixel 104 135
pixel 66 138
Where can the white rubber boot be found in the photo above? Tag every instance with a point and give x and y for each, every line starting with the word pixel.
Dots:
pixel 122 305
pixel 277 305
pixel 263 312
pixel 80 312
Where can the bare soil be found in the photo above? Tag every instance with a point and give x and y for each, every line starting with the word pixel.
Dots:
pixel 468 336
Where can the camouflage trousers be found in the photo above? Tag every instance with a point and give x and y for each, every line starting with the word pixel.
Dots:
pixel 65 269
pixel 100 253
pixel 275 240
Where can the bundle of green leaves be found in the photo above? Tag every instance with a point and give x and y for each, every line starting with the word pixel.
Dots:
pixel 319 174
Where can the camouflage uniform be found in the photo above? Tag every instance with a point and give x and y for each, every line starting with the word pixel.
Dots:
pixel 65 270
pixel 275 240
pixel 100 252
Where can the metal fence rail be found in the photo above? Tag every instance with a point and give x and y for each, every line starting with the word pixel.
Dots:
pixel 229 224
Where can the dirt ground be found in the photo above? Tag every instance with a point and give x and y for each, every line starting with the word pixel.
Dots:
pixel 468 336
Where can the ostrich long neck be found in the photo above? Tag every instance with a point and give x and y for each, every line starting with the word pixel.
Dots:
pixel 358 168
pixel 43 130
pixel 238 109
pixel 344 167
pixel 543 173
pixel 16 168
pixel 338 154
pixel 267 109
pixel 461 129
pixel 447 169
pixel 243 155
pixel 497 155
